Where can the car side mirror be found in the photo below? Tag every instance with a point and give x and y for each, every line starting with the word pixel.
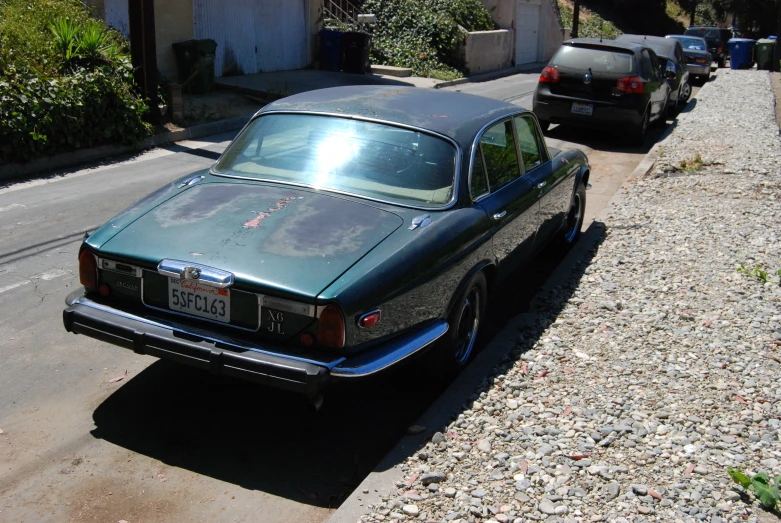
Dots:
pixel 670 75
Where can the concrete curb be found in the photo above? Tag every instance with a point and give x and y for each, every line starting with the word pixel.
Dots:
pixel 384 477
pixel 438 415
pixel 70 159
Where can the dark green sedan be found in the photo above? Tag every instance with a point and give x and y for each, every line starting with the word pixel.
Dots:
pixel 342 231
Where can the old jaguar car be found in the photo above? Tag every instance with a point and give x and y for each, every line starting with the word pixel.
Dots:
pixel 341 232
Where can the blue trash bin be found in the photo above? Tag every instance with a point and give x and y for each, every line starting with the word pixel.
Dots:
pixel 331 50
pixel 741 53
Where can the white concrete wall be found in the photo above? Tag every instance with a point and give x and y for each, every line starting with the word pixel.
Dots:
pixel 486 51
pixel 502 12
pixel 552 35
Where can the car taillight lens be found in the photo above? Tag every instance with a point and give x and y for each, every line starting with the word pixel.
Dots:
pixel 720 48
pixel 701 61
pixel 630 85
pixel 550 75
pixel 330 327
pixel 88 270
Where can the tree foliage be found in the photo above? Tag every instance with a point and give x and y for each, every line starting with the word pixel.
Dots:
pixel 424 34
pixel 65 81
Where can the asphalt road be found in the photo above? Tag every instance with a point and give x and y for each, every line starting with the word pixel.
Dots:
pixel 167 443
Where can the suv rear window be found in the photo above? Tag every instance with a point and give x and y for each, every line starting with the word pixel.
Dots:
pixel 713 34
pixel 598 60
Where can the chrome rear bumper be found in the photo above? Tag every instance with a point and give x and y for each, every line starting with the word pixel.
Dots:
pixel 260 363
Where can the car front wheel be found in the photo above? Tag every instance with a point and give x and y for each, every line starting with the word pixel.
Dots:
pixel 686 92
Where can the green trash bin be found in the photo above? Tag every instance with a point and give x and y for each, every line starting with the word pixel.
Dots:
pixel 764 53
pixel 195 61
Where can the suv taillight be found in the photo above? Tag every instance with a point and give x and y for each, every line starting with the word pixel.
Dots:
pixel 550 75
pixel 330 327
pixel 88 270
pixel 720 48
pixel 632 85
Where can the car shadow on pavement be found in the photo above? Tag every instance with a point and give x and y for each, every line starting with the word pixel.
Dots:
pixel 261 438
pixel 607 141
pixel 266 440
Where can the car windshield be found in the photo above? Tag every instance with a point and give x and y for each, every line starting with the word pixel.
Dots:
pixel 368 159
pixel 598 60
pixel 693 43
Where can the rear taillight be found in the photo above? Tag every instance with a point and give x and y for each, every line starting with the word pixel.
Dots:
pixel 720 48
pixel 88 270
pixel 550 75
pixel 701 60
pixel 330 327
pixel 632 85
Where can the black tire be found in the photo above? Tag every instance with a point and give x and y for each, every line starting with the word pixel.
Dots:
pixel 687 90
pixel 722 63
pixel 671 109
pixel 638 133
pixel 573 223
pixel 457 347
pixel 544 125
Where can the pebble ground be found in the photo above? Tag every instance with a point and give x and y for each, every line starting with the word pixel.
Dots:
pixel 655 368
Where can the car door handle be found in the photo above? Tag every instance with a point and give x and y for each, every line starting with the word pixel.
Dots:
pixel 500 215
pixel 542 185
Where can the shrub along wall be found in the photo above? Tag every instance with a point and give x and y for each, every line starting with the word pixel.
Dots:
pixel 424 34
pixel 66 81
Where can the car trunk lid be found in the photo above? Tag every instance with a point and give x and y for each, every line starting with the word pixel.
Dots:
pixel 288 242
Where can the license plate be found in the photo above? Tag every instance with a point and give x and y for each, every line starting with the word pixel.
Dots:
pixel 199 300
pixel 578 108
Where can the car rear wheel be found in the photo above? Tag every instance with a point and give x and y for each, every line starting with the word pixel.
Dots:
pixel 722 62
pixel 573 223
pixel 457 347
pixel 686 92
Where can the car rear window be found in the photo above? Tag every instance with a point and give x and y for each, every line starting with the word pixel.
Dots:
pixel 598 60
pixel 714 34
pixel 375 160
pixel 693 43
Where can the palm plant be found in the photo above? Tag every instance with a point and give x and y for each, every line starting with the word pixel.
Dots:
pixel 66 39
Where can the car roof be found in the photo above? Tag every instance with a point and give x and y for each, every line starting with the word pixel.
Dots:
pixel 654 42
pixel 599 42
pixel 685 36
pixel 456 115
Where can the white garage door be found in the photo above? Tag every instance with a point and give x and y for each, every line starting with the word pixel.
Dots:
pixel 254 35
pixel 527 33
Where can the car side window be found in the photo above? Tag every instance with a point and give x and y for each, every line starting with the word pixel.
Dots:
pixel 499 154
pixel 645 66
pixel 527 142
pixel 479 184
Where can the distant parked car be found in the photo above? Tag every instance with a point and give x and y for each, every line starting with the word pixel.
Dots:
pixel 343 231
pixel 671 51
pixel 695 52
pixel 717 38
pixel 604 84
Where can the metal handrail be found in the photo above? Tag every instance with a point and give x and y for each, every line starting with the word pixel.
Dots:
pixel 344 11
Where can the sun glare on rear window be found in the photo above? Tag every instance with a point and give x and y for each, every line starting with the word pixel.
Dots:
pixel 369 159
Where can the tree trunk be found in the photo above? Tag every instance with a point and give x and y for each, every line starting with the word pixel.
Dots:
pixel 693 12
pixel 575 16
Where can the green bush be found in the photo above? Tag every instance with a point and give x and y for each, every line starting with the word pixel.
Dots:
pixel 592 27
pixel 66 81
pixel 424 35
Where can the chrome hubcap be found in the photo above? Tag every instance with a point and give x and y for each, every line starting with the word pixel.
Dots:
pixel 686 92
pixel 573 219
pixel 467 327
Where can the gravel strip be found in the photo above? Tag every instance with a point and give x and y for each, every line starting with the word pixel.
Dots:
pixel 654 369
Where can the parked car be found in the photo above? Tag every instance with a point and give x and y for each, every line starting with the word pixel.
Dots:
pixel 695 52
pixel 606 84
pixel 717 38
pixel 341 232
pixel 670 52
